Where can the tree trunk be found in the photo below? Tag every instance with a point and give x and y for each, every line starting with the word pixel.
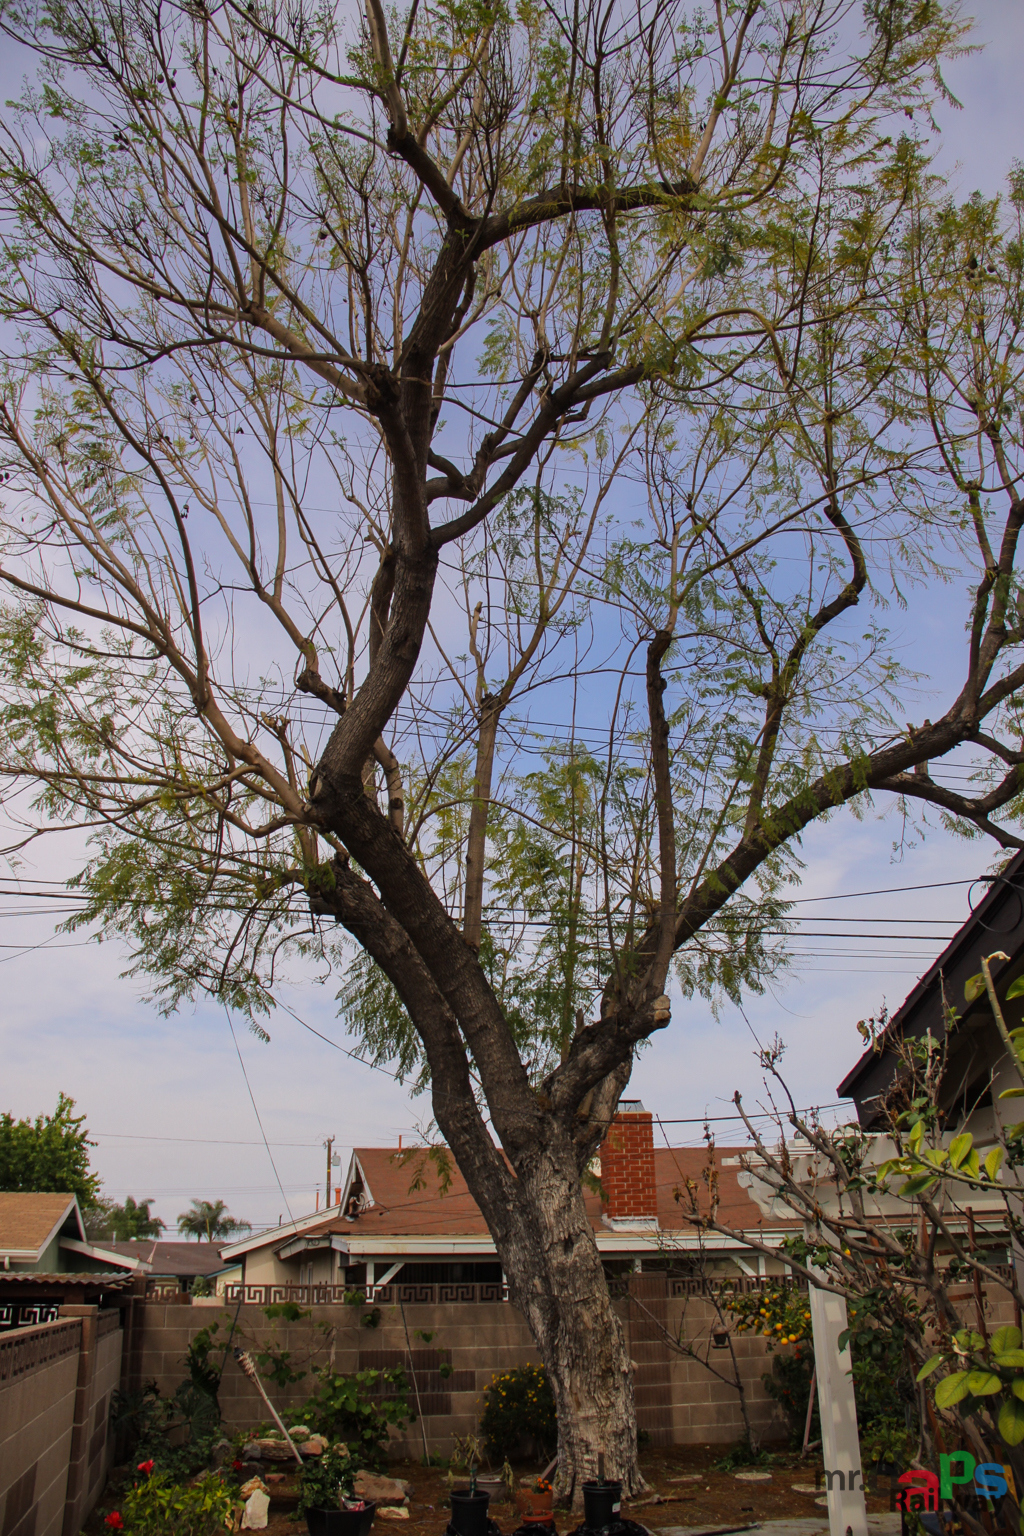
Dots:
pixel 556 1278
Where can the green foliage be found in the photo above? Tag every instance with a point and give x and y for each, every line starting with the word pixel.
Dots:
pixel 325 1477
pixel 49 1153
pixel 159 1507
pixel 176 1433
pixel 518 1404
pixel 208 1220
pixel 788 1383
pixel 982 1376
pixel 743 1455
pixel 359 1410
pixel 123 1223
pixel 781 1314
pixel 204 1373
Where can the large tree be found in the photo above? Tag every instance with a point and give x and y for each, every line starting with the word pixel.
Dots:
pixel 376 388
pixel 49 1153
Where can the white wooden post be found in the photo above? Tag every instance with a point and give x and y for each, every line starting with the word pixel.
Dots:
pixel 840 1442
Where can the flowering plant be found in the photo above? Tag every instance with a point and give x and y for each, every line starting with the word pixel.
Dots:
pixel 518 1405
pixel 145 1466
pixel 158 1507
pixel 114 1521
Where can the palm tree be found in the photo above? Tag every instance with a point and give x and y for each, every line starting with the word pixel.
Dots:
pixel 209 1219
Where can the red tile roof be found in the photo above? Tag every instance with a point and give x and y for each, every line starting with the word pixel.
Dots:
pixel 400 1210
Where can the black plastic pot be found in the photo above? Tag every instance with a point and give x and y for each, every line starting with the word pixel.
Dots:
pixel 601 1503
pixel 340 1522
pixel 469 1512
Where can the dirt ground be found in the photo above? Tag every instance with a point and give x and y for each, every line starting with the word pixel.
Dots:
pixel 710 1499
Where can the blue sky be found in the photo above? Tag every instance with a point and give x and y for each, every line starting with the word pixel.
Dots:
pixel 168 1100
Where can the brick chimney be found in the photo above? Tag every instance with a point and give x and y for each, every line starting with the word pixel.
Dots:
pixel 627 1168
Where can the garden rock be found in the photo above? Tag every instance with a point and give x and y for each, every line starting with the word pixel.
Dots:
pixel 252 1486
pixel 314 1446
pixel 379 1490
pixel 752 1477
pixel 222 1453
pixel 257 1511
pixel 393 1512
pixel 300 1431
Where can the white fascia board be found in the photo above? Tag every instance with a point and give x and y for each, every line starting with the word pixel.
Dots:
pixel 608 1243
pixel 115 1260
pixel 327 1242
pixel 288 1229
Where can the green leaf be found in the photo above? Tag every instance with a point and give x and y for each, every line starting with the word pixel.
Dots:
pixel 1007 1337
pixel 916 1185
pixel 1015 989
pixel 952 1389
pixel 959 1148
pixel 916 1134
pixel 1012 1093
pixel 1011 1421
pixel 983 1383
pixel 994 1161
pixel 928 1367
pixel 1017 1388
pixel 1008 1359
pixel 974 988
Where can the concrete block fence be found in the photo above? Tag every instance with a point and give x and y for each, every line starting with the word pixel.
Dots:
pixel 56 1382
pixel 679 1401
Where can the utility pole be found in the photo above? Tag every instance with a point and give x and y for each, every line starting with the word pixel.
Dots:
pixel 327 1196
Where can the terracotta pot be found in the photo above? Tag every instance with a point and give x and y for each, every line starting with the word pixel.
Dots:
pixel 535 1507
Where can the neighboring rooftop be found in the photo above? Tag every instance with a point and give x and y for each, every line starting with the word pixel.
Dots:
pixel 184 1260
pixel 30 1221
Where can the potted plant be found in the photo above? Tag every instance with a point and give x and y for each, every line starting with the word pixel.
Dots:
pixel 325 1496
pixel 535 1501
pixel 469 1508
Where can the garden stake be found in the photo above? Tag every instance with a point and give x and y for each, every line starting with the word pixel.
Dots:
pixel 415 1385
pixel 810 1410
pixel 245 1361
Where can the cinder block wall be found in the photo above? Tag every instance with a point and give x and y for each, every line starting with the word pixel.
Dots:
pixel 678 1400
pixel 38 1391
pixel 99 1370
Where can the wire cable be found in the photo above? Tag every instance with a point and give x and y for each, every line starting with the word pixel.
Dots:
pixel 259 1122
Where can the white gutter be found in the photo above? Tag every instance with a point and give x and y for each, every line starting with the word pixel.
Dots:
pixel 117 1260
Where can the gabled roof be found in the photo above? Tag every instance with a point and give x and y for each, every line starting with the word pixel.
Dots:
pixel 30 1221
pixel 996 923
pixel 404 1200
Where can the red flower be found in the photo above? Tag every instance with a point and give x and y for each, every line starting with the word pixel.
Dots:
pixel 236 1465
pixel 114 1521
pixel 143 1466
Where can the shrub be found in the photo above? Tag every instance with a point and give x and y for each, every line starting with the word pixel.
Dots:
pixel 359 1410
pixel 325 1477
pixel 518 1404
pixel 176 1433
pixel 158 1507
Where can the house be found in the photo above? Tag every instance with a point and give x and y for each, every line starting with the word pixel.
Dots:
pixel 977 1069
pixel 393 1225
pixel 175 1266
pixel 46 1260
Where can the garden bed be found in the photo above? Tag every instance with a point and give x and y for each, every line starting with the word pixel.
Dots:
pixel 718 1498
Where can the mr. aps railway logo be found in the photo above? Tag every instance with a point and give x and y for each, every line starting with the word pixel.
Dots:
pixel 920 1491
